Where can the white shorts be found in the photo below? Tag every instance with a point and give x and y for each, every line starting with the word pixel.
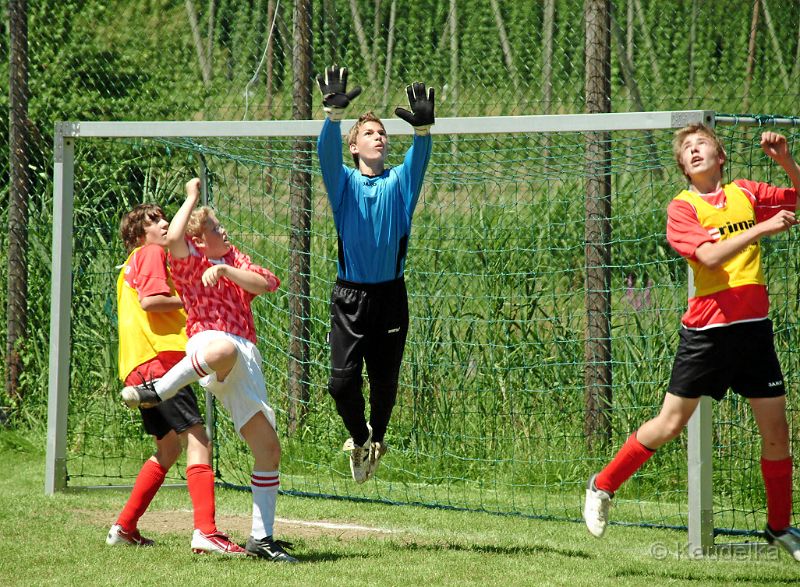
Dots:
pixel 243 393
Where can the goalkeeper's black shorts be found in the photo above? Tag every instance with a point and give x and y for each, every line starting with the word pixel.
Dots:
pixel 369 324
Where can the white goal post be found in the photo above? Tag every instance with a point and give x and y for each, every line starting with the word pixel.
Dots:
pixel 700 511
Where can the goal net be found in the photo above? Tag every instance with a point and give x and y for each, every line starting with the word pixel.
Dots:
pixel 545 303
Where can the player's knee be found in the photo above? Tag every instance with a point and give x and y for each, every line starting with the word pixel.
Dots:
pixel 197 434
pixel 382 391
pixel 198 445
pixel 672 427
pixel 267 456
pixel 274 453
pixel 220 354
pixel 777 435
pixel 384 385
pixel 344 385
pixel 167 454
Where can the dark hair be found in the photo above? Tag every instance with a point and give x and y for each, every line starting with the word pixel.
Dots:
pixel 131 228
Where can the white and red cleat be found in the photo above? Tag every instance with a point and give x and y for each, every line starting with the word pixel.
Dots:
pixel 215 542
pixel 117 536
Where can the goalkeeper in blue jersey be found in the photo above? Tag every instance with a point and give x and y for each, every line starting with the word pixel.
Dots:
pixel 372 210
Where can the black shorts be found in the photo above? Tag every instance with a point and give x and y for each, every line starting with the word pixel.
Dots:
pixel 369 324
pixel 179 413
pixel 740 356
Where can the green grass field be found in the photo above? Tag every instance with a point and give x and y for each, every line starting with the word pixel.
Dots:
pixel 60 541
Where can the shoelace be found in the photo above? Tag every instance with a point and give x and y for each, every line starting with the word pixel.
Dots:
pixel 276 546
pixel 145 382
pixel 283 544
pixel 602 512
pixel 218 535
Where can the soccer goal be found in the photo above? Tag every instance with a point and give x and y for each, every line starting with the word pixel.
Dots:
pixel 544 298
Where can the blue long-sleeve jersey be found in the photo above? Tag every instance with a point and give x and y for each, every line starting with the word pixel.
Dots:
pixel 372 214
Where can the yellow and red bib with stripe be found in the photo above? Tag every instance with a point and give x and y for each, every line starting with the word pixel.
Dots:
pixel 143 335
pixel 736 216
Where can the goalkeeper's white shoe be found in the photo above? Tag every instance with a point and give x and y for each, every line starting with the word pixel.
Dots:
pixel 140 396
pixel 359 458
pixel 788 539
pixel 595 509
pixel 376 452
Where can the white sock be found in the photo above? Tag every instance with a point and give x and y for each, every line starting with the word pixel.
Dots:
pixel 265 493
pixel 191 368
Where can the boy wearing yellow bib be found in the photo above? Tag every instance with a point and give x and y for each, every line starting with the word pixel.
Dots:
pixel 726 337
pixel 152 339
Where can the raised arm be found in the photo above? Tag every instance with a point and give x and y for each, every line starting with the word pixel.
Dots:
pixel 335 100
pixel 329 151
pixel 777 148
pixel 176 241
pixel 421 117
pixel 412 172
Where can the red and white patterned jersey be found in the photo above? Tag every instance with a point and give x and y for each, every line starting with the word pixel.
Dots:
pixel 224 306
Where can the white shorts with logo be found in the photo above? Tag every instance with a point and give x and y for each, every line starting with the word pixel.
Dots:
pixel 242 393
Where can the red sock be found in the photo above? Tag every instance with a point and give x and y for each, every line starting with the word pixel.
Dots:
pixel 778 483
pixel 627 461
pixel 200 479
pixel 150 478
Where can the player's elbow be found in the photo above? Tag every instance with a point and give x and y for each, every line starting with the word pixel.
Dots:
pixel 710 262
pixel 266 286
pixel 273 283
pixel 149 303
pixel 707 256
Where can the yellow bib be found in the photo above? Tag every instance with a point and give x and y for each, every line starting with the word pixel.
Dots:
pixel 736 216
pixel 142 335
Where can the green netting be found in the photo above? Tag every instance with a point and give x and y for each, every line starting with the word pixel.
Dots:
pixel 490 413
pixel 663 55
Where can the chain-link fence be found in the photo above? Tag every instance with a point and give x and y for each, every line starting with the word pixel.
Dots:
pixel 235 59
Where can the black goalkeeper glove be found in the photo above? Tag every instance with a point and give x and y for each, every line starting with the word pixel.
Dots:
pixel 421 115
pixel 335 97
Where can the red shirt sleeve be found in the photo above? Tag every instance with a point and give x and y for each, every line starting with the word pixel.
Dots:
pixel 767 199
pixel 242 261
pixel 684 231
pixel 149 275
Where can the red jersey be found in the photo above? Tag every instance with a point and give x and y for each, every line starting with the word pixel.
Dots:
pixel 225 306
pixel 147 272
pixel 685 234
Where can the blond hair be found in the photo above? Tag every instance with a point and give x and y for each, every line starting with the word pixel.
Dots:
pixel 362 120
pixel 197 220
pixel 132 225
pixel 696 128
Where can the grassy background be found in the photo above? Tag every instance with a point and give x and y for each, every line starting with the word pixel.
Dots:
pixel 60 541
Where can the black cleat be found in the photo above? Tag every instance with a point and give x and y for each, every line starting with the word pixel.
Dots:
pixel 269 549
pixel 788 539
pixel 140 396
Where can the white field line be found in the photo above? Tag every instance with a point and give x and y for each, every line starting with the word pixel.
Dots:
pixel 332 526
